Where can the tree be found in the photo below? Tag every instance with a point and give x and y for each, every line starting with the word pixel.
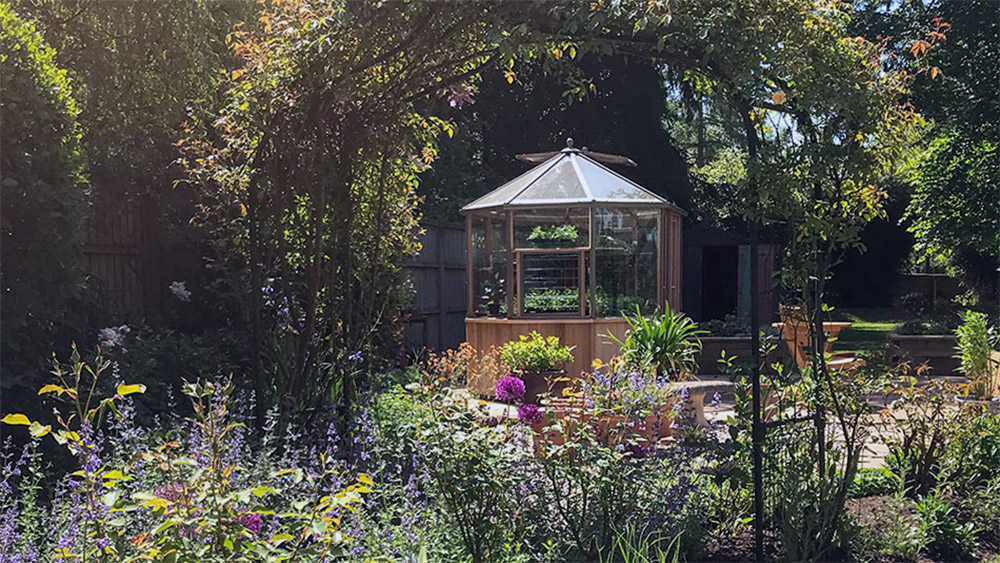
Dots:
pixel 955 199
pixel 43 193
pixel 533 114
pixel 141 71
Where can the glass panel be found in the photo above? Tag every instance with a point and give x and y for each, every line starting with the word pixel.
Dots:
pixel 559 184
pixel 507 191
pixel 489 265
pixel 627 245
pixel 608 186
pixel 551 283
pixel 555 227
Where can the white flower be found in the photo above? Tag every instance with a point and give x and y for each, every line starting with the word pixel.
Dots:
pixel 179 291
pixel 112 336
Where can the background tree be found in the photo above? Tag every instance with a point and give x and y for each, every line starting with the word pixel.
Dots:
pixel 534 113
pixel 954 211
pixel 43 197
pixel 142 70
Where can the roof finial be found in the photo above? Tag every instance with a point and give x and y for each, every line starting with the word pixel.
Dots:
pixel 569 142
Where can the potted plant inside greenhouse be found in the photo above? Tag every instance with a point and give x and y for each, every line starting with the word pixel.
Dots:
pixel 980 361
pixel 555 236
pixel 539 362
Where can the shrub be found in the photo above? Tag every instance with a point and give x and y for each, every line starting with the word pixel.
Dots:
pixel 667 343
pixel 42 190
pixel 918 327
pixel 731 326
pixel 197 491
pixel 535 352
pixel 917 429
pixel 914 302
pixel 554 233
pixel 594 489
pixel 972 456
pixel 894 532
pixel 982 509
pixel 949 539
pixel 551 299
pixel 976 341
pixel 872 482
pixel 617 389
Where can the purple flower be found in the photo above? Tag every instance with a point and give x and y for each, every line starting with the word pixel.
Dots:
pixel 251 522
pixel 529 414
pixel 356 357
pixel 173 492
pixel 510 389
pixel 459 95
pixel 103 542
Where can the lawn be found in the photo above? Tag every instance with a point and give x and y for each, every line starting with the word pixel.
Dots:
pixel 871 326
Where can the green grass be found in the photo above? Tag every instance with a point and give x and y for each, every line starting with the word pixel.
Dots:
pixel 871 327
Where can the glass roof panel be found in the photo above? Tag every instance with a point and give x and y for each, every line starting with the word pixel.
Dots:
pixel 566 178
pixel 506 192
pixel 559 183
pixel 608 186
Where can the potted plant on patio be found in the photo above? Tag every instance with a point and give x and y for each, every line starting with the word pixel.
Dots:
pixel 667 344
pixel 980 362
pixel 539 362
pixel 618 405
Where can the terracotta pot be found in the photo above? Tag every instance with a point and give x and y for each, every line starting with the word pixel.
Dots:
pixel 991 405
pixel 609 429
pixel 538 382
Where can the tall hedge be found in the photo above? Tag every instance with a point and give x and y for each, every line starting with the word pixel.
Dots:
pixel 43 194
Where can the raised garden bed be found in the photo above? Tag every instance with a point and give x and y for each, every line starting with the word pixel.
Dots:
pixel 936 350
pixel 712 347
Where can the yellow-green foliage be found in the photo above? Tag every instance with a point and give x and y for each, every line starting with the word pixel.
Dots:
pixel 41 188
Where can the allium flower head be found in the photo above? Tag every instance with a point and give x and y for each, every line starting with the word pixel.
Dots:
pixel 529 414
pixel 251 522
pixel 510 389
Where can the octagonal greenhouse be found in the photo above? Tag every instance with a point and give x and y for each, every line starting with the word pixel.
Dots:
pixel 565 249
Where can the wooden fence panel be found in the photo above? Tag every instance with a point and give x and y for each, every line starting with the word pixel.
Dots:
pixel 437 275
pixel 110 247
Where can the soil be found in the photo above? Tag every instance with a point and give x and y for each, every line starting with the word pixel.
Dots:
pixel 866 510
pixel 739 547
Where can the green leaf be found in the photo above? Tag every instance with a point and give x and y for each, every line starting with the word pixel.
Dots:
pixel 51 389
pixel 115 475
pixel 261 491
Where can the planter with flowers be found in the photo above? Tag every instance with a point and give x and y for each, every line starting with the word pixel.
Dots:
pixel 980 362
pixel 618 405
pixel 538 361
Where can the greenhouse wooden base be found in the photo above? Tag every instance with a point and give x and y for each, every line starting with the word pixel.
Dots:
pixel 587 336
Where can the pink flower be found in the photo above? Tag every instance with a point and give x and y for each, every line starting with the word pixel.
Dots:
pixel 459 95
